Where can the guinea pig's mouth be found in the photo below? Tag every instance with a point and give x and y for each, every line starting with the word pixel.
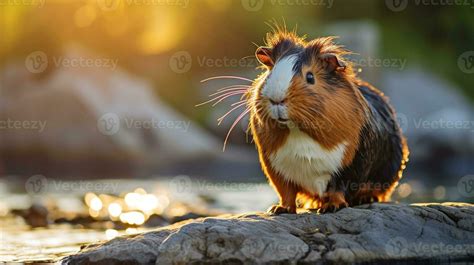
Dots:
pixel 278 112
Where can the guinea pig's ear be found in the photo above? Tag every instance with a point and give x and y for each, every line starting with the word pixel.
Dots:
pixel 332 63
pixel 264 56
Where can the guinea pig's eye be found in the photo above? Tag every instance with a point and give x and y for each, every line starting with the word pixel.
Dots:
pixel 310 78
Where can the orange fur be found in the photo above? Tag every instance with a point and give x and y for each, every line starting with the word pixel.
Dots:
pixel 331 111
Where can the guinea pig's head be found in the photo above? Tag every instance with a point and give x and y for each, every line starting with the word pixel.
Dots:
pixel 308 84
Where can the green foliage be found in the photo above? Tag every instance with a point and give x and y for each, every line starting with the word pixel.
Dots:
pixel 429 35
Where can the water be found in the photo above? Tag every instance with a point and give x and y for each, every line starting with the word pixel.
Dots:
pixel 170 198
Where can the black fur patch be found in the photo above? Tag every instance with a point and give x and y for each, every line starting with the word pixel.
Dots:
pixel 284 48
pixel 379 157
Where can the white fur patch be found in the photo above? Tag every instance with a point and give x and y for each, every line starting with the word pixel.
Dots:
pixel 306 163
pixel 279 80
pixel 279 112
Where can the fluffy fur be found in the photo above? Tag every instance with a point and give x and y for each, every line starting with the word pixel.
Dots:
pixel 334 143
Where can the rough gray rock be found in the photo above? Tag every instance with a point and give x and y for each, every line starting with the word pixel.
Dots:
pixel 368 233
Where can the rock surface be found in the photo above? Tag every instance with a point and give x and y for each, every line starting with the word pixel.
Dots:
pixel 367 233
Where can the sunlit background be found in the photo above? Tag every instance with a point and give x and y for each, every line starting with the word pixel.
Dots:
pixel 100 134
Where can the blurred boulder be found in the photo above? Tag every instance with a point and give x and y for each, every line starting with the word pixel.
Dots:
pixel 430 105
pixel 90 117
pixel 438 122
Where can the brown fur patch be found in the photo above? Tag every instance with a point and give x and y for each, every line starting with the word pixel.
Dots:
pixel 326 111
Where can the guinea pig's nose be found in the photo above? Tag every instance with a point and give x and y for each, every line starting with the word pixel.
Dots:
pixel 277 102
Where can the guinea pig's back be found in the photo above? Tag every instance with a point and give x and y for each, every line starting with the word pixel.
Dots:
pixel 382 149
pixel 384 127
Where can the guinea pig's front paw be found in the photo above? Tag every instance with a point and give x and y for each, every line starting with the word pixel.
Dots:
pixel 333 202
pixel 280 209
pixel 331 208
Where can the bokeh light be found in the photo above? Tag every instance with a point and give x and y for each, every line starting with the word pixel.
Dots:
pixel 404 190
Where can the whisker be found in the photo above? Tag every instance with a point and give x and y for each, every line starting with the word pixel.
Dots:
pixel 226 77
pixel 233 125
pixel 221 119
pixel 238 102
pixel 221 97
pixel 246 86
pixel 228 95
pixel 228 90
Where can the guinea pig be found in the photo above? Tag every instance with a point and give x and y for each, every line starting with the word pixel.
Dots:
pixel 326 139
pixel 323 135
